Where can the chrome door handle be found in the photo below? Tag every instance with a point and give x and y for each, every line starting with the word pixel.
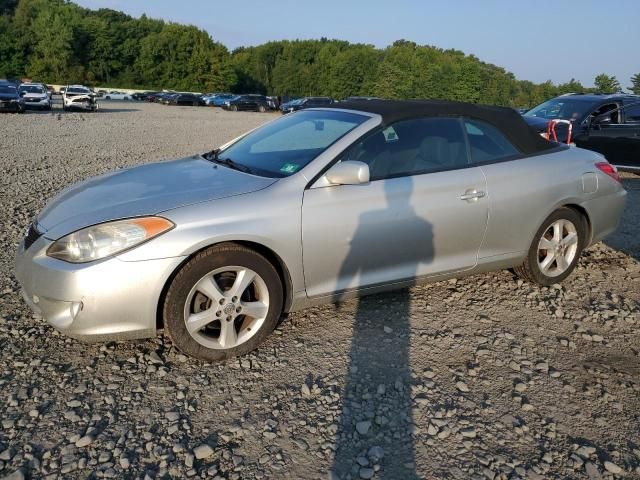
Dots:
pixel 471 195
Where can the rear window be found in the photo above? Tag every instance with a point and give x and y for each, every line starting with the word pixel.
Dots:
pixel 632 113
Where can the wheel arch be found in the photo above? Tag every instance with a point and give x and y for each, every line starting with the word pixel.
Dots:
pixel 268 253
pixel 587 220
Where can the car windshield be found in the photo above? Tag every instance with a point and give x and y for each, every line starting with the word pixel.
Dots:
pixel 7 89
pixel 565 108
pixel 31 89
pixel 77 90
pixel 297 101
pixel 283 147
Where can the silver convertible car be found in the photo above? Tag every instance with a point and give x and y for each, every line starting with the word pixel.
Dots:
pixel 315 207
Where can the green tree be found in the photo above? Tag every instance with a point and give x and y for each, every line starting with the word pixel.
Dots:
pixel 59 41
pixel 606 84
pixel 635 84
pixel 51 49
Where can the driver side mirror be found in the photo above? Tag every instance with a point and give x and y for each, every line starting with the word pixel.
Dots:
pixel 350 172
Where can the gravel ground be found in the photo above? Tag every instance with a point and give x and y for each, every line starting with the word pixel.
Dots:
pixel 486 377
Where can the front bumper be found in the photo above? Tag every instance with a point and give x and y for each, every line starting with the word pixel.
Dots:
pixel 11 106
pixel 37 102
pixel 81 105
pixel 99 301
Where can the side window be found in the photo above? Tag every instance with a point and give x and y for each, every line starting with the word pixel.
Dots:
pixel 632 113
pixel 607 114
pixel 487 143
pixel 412 147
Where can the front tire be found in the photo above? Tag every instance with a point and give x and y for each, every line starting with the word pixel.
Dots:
pixel 555 249
pixel 234 108
pixel 262 109
pixel 223 303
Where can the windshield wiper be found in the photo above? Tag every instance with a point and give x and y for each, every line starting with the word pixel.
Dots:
pixel 214 156
pixel 235 165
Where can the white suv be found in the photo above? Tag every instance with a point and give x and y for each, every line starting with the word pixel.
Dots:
pixel 79 97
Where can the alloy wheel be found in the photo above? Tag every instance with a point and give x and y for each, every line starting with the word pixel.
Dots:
pixel 557 248
pixel 226 307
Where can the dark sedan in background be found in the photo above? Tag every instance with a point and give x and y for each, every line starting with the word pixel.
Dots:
pixel 188 99
pixel 607 124
pixel 305 102
pixel 254 103
pixel 10 99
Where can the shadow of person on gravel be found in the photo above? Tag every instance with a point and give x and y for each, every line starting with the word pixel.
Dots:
pixel 626 238
pixel 375 424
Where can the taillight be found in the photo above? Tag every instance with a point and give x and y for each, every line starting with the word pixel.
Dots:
pixel 606 167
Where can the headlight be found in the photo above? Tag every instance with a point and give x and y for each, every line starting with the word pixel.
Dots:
pixel 105 239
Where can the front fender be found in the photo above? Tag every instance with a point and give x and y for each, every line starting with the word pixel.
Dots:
pixel 265 218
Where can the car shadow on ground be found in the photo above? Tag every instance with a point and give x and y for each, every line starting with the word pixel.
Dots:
pixel 376 419
pixel 626 239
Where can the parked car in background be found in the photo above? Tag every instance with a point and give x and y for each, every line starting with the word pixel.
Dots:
pixel 116 95
pixel 608 124
pixel 142 96
pixel 305 102
pixel 10 81
pixel 167 97
pixel 185 99
pixel 79 97
pixel 10 99
pixel 273 102
pixel 251 102
pixel 35 95
pixel 154 97
pixel 318 206
pixel 218 99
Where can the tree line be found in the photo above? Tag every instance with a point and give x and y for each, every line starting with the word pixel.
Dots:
pixel 56 41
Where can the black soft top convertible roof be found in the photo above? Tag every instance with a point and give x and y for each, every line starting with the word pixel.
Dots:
pixel 507 120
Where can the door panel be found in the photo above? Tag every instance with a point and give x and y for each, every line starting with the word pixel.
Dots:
pixel 356 236
pixel 619 143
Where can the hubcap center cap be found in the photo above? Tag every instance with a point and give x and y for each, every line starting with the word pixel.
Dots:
pixel 229 309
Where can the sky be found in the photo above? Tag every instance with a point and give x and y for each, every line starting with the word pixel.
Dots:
pixel 537 40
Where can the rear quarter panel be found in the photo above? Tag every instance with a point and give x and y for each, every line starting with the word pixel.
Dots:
pixel 523 192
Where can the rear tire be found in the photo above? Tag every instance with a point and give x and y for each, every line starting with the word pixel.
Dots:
pixel 262 109
pixel 555 249
pixel 206 309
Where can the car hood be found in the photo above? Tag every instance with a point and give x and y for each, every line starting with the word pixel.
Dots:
pixel 35 95
pixel 8 96
pixel 145 190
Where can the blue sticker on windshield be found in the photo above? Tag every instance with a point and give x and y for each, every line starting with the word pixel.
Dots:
pixel 289 167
